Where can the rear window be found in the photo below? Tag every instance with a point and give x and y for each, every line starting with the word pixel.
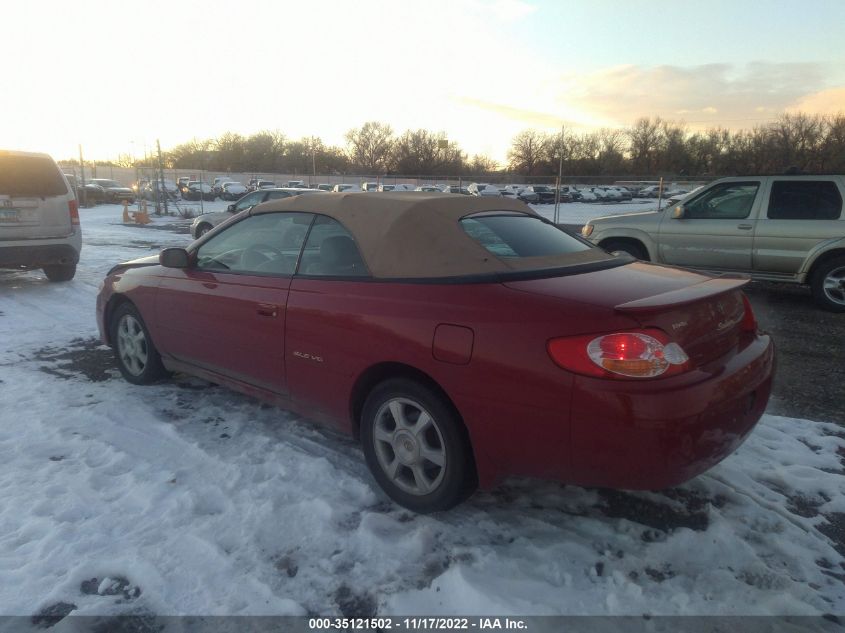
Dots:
pixel 805 200
pixel 30 176
pixel 514 235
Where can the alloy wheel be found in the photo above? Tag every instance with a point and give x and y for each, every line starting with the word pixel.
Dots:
pixel 834 285
pixel 132 346
pixel 409 446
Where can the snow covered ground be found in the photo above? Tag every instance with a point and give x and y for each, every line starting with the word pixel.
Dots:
pixel 186 498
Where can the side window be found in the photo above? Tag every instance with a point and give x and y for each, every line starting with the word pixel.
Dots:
pixel 269 243
pixel 331 251
pixel 249 201
pixel 805 200
pixel 728 201
pixel 275 195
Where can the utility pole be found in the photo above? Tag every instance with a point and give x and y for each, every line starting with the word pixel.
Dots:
pixel 82 177
pixel 162 191
pixel 559 177
pixel 313 158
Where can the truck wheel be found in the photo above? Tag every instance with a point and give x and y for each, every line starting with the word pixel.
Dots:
pixel 60 272
pixel 828 285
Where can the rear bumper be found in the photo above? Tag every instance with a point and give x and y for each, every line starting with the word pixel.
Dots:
pixel 39 253
pixel 649 436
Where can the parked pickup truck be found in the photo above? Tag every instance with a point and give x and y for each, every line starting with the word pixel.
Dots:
pixel 775 228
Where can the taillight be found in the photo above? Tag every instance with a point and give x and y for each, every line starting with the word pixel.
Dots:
pixel 749 321
pixel 73 209
pixel 642 354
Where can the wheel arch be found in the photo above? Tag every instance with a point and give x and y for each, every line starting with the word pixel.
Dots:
pixel 821 259
pixel 114 302
pixel 635 240
pixel 380 372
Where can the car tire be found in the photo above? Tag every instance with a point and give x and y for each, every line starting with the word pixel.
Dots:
pixel 633 249
pixel 136 355
pixel 60 272
pixel 402 456
pixel 828 285
pixel 203 228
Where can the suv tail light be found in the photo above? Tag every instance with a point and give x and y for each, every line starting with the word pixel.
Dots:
pixel 73 210
pixel 749 321
pixel 638 354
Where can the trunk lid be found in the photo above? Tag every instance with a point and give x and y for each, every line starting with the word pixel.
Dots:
pixel 701 313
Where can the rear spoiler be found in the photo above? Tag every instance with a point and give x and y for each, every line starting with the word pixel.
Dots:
pixel 690 294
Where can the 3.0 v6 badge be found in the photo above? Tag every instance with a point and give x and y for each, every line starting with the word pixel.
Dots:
pixel 303 355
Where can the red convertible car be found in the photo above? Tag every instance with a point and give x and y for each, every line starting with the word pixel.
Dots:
pixel 462 339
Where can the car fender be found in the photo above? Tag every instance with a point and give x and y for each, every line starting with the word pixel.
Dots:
pixel 647 239
pixel 820 250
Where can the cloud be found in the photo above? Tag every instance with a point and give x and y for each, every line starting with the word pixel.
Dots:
pixel 830 101
pixel 710 94
pixel 531 118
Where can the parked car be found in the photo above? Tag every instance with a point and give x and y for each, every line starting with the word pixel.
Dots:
pixel 113 191
pixel 456 189
pixel 297 184
pixel 650 191
pixel 775 228
pixel 258 183
pixel 623 193
pixel 197 190
pixel 218 182
pixel 182 182
pixel 345 187
pixel 324 187
pixel 39 216
pixel 232 191
pixel 203 223
pixel 484 189
pixel 545 194
pixel 641 376
pixel 89 195
pixel 156 189
pixel 429 188
pixel 369 186
pixel 567 193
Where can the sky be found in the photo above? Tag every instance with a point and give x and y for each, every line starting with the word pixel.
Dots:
pixel 116 77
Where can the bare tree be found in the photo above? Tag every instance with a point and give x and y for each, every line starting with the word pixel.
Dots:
pixel 528 149
pixel 644 137
pixel 423 152
pixel 482 165
pixel 370 145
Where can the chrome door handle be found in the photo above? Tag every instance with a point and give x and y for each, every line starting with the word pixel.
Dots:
pixel 745 227
pixel 267 309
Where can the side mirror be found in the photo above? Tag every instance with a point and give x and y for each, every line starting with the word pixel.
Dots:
pixel 174 258
pixel 678 212
pixel 230 208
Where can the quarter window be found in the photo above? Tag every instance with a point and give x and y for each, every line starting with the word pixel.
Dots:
pixel 266 244
pixel 331 251
pixel 805 200
pixel 727 201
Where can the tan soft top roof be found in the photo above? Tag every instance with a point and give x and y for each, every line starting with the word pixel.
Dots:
pixel 417 234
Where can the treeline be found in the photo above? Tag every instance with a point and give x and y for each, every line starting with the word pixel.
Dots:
pixel 371 149
pixel 649 148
